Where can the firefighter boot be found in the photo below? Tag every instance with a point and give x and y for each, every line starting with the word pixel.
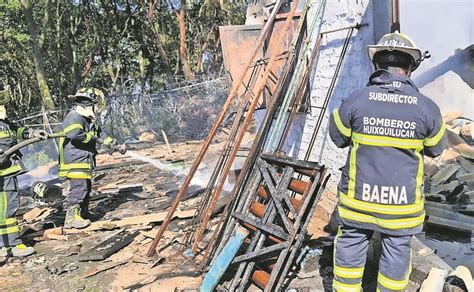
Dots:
pixel 85 213
pixel 74 219
pixel 20 250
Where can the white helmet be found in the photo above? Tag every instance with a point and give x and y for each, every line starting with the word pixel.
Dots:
pixel 397 42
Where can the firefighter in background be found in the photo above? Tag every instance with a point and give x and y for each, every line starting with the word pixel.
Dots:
pixel 388 125
pixel 10 168
pixel 77 154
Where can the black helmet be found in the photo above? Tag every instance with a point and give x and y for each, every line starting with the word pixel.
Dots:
pixel 88 96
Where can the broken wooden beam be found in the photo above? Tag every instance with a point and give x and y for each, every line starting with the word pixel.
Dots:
pixel 37 214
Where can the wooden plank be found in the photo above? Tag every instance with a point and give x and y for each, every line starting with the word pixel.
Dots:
pixel 223 260
pixel 37 214
pixel 108 247
pixel 283 160
pixel 52 236
pixel 135 220
pixel 270 228
pixel 275 192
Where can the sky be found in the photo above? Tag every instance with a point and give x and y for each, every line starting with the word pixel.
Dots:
pixel 439 26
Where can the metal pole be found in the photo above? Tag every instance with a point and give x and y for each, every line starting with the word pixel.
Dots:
pixel 329 94
pixel 395 16
pixel 301 91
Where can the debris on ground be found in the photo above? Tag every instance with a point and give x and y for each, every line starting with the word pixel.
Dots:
pixel 449 178
pixel 125 212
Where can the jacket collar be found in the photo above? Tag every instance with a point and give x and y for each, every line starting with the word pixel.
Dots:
pixel 382 77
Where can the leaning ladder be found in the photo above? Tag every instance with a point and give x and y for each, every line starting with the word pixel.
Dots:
pixel 276 221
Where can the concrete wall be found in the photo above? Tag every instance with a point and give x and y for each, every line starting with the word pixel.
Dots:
pixel 354 72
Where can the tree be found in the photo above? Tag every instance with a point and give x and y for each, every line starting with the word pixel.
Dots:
pixel 50 48
pixel 183 55
pixel 37 56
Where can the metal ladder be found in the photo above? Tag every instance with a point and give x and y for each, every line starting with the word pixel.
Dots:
pixel 276 219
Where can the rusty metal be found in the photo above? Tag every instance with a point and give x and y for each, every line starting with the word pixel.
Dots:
pixel 246 173
pixel 273 210
pixel 296 203
pixel 335 75
pixel 302 90
pixel 258 242
pixel 395 16
pixel 282 50
pixel 256 146
pixel 260 278
pixel 237 43
pixel 280 46
pixel 251 108
pixel 217 172
pixel 323 109
pixel 265 32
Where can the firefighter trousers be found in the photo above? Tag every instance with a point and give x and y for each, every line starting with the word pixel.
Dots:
pixel 9 205
pixel 350 254
pixel 79 193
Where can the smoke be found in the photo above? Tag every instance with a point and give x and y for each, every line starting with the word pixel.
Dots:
pixel 156 163
pixel 450 84
pixel 40 159
pixel 461 63
pixel 200 178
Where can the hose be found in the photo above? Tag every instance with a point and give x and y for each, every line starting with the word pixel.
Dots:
pixel 16 147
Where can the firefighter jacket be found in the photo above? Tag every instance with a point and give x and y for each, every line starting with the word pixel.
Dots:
pixel 388 125
pixel 78 149
pixel 9 136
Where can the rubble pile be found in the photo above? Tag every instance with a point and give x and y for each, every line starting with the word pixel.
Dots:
pixel 130 199
pixel 449 179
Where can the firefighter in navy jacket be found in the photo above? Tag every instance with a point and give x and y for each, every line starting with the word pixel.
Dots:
pixel 10 168
pixel 388 126
pixel 77 154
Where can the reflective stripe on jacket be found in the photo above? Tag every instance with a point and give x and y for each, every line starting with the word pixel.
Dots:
pixel 9 136
pixel 389 126
pixel 78 149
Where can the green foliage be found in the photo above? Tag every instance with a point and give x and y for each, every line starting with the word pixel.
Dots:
pixel 106 43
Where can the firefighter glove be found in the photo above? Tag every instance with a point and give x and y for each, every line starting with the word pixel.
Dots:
pixel 42 134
